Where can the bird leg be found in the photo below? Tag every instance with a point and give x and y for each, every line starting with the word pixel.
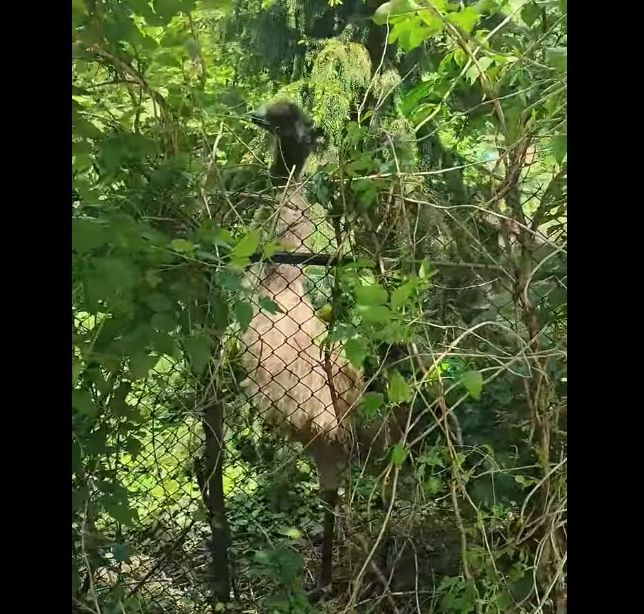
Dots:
pixel 330 498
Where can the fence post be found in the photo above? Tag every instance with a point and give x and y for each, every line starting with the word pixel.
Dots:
pixel 213 421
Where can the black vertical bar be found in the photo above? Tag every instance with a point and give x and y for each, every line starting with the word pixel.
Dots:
pixel 213 422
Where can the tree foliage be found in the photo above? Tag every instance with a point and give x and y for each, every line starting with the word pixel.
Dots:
pixel 442 177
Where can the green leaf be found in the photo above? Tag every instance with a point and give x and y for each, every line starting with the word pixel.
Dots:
pixel 159 302
pixel 221 5
pixel 142 8
pixel 115 275
pixel 182 246
pixel 228 280
pixel 411 31
pixel 270 249
pixel 140 364
pixel 82 402
pixel 459 56
pixel 371 403
pixel 172 38
pixel 268 305
pixel 474 72
pixel 198 349
pixel 559 147
pixel 169 59
pixel 87 235
pixel 192 47
pixel 465 19
pixel 530 13
pixel 152 278
pixel 432 486
pixel 364 163
pixel 208 233
pixel 84 128
pixel 487 7
pixel 77 368
pixel 220 312
pixel 163 322
pixel 524 481
pixel 78 7
pixel 432 21
pixel 473 382
pixel 412 98
pixel 133 447
pixel 378 314
pixel 163 343
pixel 398 390
pixel 356 352
pixel 557 57
pixel 398 455
pixel 243 314
pixel 419 33
pixel 410 34
pixel 95 443
pixel 367 193
pixel 426 270
pixel 118 403
pixel 370 295
pixel 291 532
pixel 77 457
pixel 121 552
pixel 120 28
pixel 401 294
pixel 394 10
pixel 167 9
pixel 120 512
pixel 246 246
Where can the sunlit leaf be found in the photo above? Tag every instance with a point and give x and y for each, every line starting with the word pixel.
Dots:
pixel 375 314
pixel 557 57
pixel 465 19
pixel 356 351
pixel 398 391
pixel 398 454
pixel 371 295
pixel 78 7
pixel 291 532
pixel 247 245
pixel 182 246
pixel 393 10
pixel 473 382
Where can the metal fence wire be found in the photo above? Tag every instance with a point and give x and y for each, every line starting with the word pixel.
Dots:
pixel 162 554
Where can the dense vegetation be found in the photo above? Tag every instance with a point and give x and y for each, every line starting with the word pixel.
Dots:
pixel 441 180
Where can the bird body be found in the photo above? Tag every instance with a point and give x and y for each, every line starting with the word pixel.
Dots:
pixel 302 387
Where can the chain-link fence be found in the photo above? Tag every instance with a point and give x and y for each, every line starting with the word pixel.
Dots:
pixel 219 496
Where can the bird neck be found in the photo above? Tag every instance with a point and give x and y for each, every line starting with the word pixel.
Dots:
pixel 287 154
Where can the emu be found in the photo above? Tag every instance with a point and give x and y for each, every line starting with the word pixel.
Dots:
pixel 297 387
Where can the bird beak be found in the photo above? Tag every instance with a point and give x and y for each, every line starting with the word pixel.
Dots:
pixel 259 118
